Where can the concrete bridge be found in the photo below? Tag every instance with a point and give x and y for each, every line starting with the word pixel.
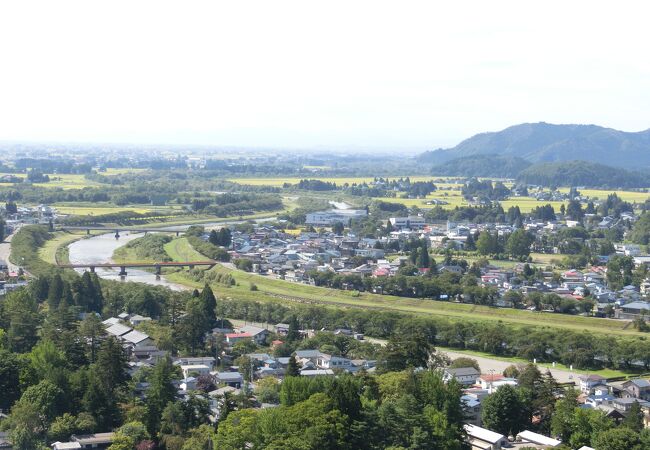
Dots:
pixel 155 265
pixel 117 230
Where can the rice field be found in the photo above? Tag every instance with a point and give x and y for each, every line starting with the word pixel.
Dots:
pixel 98 210
pixel 601 194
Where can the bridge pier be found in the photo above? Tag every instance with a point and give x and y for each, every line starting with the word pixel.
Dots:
pixel 158 269
pixel 178 233
pixel 117 234
pixel 92 269
pixel 190 266
pixel 88 231
pixel 122 271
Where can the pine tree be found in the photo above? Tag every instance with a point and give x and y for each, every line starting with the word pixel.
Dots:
pixel 292 369
pixel 111 365
pixel 55 291
pixel 161 391
pixel 209 305
pixel 293 334
pixel 214 238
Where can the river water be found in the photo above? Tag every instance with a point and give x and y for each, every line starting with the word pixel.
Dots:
pixel 99 249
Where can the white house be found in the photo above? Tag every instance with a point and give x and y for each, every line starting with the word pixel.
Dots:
pixel 484 439
pixel 464 375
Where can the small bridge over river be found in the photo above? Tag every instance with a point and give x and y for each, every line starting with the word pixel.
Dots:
pixel 117 230
pixel 158 266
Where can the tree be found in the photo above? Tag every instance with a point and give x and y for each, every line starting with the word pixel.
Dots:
pixel 9 379
pixel 112 364
pixel 214 238
pixel 194 325
pixel 338 228
pixel 486 243
pixel 574 210
pixel 2 229
pixel 518 244
pixel 92 329
pixel 293 333
pixel 45 399
pixel 405 348
pixel 55 292
pixel 634 418
pixel 562 420
pixel 209 305
pixel 292 369
pixel 465 362
pixel 616 439
pixel 100 403
pixel 161 391
pixel 504 412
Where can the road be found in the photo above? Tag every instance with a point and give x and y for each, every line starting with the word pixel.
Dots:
pixel 5 252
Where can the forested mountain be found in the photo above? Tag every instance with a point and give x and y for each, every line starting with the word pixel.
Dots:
pixel 581 173
pixel 482 166
pixel 543 142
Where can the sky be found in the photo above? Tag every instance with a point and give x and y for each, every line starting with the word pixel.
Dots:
pixel 340 75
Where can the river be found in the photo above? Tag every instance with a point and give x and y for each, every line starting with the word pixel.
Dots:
pixel 99 249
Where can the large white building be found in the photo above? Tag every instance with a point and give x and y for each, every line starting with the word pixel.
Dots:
pixel 326 218
pixel 410 222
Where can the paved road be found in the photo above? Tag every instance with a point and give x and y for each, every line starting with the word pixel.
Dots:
pixel 5 252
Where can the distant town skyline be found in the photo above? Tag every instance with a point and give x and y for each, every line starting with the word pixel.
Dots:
pixel 341 75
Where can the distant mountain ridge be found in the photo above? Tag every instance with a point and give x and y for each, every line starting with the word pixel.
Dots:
pixel 490 165
pixel 544 142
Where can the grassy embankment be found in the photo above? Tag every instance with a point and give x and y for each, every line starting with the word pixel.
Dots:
pixel 270 289
pixel 55 249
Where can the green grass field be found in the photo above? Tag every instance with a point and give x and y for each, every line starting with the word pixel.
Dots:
pixel 53 247
pixel 180 250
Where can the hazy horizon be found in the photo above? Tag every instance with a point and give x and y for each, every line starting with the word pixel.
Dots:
pixel 362 76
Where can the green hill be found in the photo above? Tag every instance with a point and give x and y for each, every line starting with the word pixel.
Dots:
pixel 496 166
pixel 582 173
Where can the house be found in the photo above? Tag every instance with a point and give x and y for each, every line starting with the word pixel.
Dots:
pixel 472 409
pixel 233 338
pixel 118 330
pixel 86 441
pixel 232 379
pixel 484 439
pixel 316 372
pixel 464 375
pixel 258 334
pixel 588 382
pixel 333 362
pixel 199 360
pixel 637 388
pixel 494 381
pixel 137 319
pixel 528 437
pixel 195 370
pixel 137 339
